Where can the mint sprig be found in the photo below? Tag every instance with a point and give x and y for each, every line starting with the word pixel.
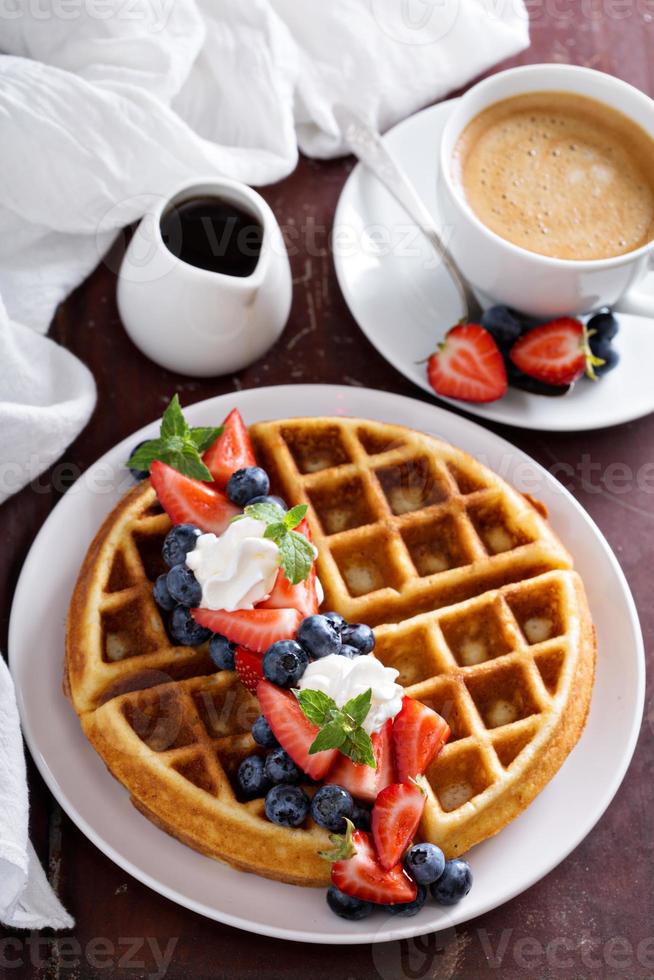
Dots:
pixel 296 553
pixel 178 445
pixel 343 845
pixel 340 728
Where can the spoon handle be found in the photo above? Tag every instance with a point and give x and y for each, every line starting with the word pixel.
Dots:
pixel 368 146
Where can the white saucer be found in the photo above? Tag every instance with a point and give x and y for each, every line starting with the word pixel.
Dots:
pixel 404 301
pixel 503 867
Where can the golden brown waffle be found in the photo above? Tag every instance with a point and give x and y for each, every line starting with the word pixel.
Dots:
pixel 473 600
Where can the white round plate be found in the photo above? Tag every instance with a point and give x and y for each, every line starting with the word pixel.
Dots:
pixel 404 301
pixel 504 866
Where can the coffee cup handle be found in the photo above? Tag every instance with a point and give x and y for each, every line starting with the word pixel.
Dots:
pixel 640 298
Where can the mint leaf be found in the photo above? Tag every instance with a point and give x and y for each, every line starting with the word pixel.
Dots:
pixel 272 514
pixel 295 516
pixel 331 736
pixel 316 705
pixel 296 556
pixel 358 745
pixel 173 422
pixel 357 708
pixel 205 436
pixel 276 532
pixel 178 445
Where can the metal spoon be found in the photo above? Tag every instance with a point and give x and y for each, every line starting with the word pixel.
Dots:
pixel 367 145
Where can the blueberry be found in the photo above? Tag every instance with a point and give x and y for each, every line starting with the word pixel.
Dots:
pixel 179 541
pixel 138 474
pixel 503 324
pixel 409 908
pixel 284 663
pixel 162 596
pixel 247 483
pixel 280 768
pixel 185 630
pixel 222 652
pixel 518 379
pixel 349 652
pixel 268 499
pixel 330 806
pixel 611 360
pixel 360 636
pixel 339 621
pixel 287 805
pixel 425 863
pixel 454 884
pixel 346 906
pixel 263 735
pixel 183 586
pixel 252 777
pixel 600 346
pixel 604 323
pixel 361 817
pixel 319 636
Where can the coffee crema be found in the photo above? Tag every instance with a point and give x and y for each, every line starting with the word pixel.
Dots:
pixel 559 174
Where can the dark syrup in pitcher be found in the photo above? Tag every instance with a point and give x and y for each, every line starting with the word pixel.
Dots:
pixel 213 234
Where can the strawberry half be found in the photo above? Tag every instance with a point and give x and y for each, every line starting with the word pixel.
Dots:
pixel 418 734
pixel 292 729
pixel 255 629
pixel 231 451
pixel 250 668
pixel 556 352
pixel 286 596
pixel 188 501
pixel 468 365
pixel 364 782
pixel 362 875
pixel 395 818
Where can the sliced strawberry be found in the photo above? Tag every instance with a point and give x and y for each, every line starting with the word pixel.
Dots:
pixel 364 782
pixel 231 451
pixel 250 668
pixel 303 528
pixel 255 629
pixel 556 352
pixel 362 876
pixel 188 501
pixel 292 729
pixel 418 734
pixel 286 596
pixel 468 365
pixel 395 818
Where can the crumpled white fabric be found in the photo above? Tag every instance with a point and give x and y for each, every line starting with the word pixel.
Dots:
pixel 26 899
pixel 105 103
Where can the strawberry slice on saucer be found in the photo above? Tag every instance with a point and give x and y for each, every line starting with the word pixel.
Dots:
pixel 364 782
pixel 556 352
pixel 363 876
pixel 231 451
pixel 395 818
pixel 293 730
pixel 419 733
pixel 188 501
pixel 249 666
pixel 302 596
pixel 255 629
pixel 468 365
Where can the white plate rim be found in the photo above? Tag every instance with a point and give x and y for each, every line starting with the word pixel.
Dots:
pixel 486 412
pixel 399 929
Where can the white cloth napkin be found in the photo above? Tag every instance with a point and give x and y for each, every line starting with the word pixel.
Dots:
pixel 104 104
pixel 26 899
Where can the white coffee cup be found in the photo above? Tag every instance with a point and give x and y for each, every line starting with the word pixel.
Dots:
pixel 194 321
pixel 506 273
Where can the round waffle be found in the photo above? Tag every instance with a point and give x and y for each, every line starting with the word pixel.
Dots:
pixel 472 597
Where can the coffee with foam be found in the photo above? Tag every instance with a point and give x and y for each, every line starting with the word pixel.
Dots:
pixel 559 174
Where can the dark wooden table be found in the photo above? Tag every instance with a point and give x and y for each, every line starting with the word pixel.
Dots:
pixel 594 915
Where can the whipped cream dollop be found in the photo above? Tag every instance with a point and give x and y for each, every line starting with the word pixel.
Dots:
pixel 236 569
pixel 342 679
